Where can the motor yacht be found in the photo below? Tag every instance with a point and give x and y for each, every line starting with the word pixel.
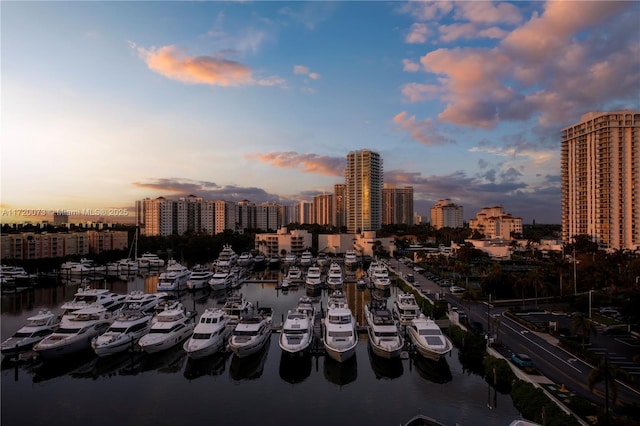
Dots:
pixel 227 258
pixel 150 261
pixel 314 277
pixel 37 328
pixel 405 308
pixel 75 332
pixel 428 339
pixel 290 259
pixel 200 276
pixel 245 259
pixel 235 306
pixel 379 275
pixel 306 259
pixel 350 259
pixel 340 334
pixel 334 277
pixel 251 333
pixel 87 296
pixel 138 300
pixel 223 279
pixel 322 259
pixel 210 334
pixel 168 328
pixel 174 278
pixel 123 334
pixel 384 336
pixel 127 266
pixel 297 330
pixel 294 274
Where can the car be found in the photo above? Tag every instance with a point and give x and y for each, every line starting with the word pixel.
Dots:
pixel 456 290
pixel 410 278
pixel 522 360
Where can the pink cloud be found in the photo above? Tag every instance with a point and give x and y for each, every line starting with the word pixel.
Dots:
pixel 303 70
pixel 418 33
pixel 486 12
pixel 424 132
pixel 416 92
pixel 468 31
pixel 410 66
pixel 308 163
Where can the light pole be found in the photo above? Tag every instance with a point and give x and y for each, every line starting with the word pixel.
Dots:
pixel 575 282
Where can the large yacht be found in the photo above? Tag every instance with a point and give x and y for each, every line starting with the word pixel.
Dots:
pixel 174 278
pixel 350 259
pixel 297 331
pixel 405 308
pixel 322 259
pixel 251 333
pixel 150 261
pixel 314 277
pixel 86 297
pixel 138 300
pixel 169 328
pixel 123 334
pixel 235 306
pixel 37 328
pixel 245 259
pixel 290 259
pixel 210 334
pixel 227 258
pixel 85 267
pixel 334 277
pixel 294 274
pixel 428 339
pixel 223 279
pixel 340 334
pixel 75 332
pixel 384 336
pixel 379 275
pixel 200 276
pixel 127 266
pixel 306 259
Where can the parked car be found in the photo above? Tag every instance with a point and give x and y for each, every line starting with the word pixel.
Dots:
pixel 410 278
pixel 456 290
pixel 522 360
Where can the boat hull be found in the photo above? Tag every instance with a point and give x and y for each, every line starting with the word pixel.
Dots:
pixel 340 354
pixel 245 350
pixel 152 345
pixel 390 351
pixel 206 348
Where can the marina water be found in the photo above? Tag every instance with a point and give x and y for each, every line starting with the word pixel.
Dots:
pixel 269 389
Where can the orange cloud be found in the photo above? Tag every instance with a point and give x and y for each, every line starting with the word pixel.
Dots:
pixel 309 163
pixel 424 132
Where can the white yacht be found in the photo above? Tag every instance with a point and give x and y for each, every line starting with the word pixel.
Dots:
pixel 210 334
pixel 37 328
pixel 314 277
pixel 322 259
pixel 84 267
pixel 86 297
pixel 306 259
pixel 350 258
pixel 200 276
pixel 75 332
pixel 290 259
pixel 340 334
pixel 384 336
pixel 138 300
pixel 223 279
pixel 245 259
pixel 294 274
pixel 251 334
pixel 428 339
pixel 123 334
pixel 227 258
pixel 405 308
pixel 174 278
pixel 334 277
pixel 150 261
pixel 236 306
pixel 297 330
pixel 168 328
pixel 379 275
pixel 127 266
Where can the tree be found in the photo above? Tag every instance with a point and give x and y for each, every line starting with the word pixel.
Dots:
pixel 607 373
pixel 583 327
pixel 536 281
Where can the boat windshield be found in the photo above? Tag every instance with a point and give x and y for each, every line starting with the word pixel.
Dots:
pixel 201 336
pixel 386 334
pixel 339 319
pixel 245 333
pixel 67 331
pixel 117 329
pixel 340 334
pixel 430 332
pixel 295 331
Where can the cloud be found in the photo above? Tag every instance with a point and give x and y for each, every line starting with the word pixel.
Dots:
pixel 487 12
pixel 416 92
pixel 453 32
pixel 308 163
pixel 410 66
pixel 174 63
pixel 418 33
pixel 424 132
pixel 303 70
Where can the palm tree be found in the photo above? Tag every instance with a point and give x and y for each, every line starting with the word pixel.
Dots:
pixel 583 326
pixel 520 284
pixel 536 280
pixel 607 373
pixel 469 296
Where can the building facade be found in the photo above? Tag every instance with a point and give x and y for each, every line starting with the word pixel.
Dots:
pixel 494 223
pixel 339 205
pixel 445 214
pixel 363 180
pixel 397 205
pixel 323 209
pixel 600 166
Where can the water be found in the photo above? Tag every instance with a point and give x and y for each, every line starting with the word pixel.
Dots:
pixel 269 389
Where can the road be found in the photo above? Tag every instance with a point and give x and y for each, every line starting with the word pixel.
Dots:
pixel 553 362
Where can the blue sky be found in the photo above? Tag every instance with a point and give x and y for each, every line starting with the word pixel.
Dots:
pixel 104 103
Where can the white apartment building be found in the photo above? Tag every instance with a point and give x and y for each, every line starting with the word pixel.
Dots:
pixel 272 244
pixel 600 166
pixel 445 214
pixel 493 222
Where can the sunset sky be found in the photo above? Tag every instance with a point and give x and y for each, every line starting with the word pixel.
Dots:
pixel 109 102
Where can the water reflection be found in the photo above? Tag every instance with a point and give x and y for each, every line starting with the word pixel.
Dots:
pixel 341 373
pixel 168 361
pixel 54 368
pixel 108 366
pixel 385 368
pixel 249 368
pixel 294 369
pixel 213 365
pixel 433 371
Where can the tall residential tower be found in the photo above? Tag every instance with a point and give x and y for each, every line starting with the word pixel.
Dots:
pixel 363 178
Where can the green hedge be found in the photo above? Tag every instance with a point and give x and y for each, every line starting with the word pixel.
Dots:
pixel 498 373
pixel 534 405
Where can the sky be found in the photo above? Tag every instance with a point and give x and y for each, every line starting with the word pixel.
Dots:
pixel 106 103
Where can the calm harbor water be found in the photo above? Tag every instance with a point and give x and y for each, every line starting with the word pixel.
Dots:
pixel 268 389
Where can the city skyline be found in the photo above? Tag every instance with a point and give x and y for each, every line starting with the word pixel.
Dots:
pixel 106 103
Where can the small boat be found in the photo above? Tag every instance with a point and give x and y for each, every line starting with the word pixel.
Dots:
pixel 75 332
pixel 428 339
pixel 150 261
pixel 174 278
pixel 168 328
pixel 340 334
pixel 251 333
pixel 200 276
pixel 334 277
pixel 297 330
pixel 209 335
pixel 37 328
pixel 123 334
pixel 405 308
pixel 314 277
pixel 235 306
pixel 384 336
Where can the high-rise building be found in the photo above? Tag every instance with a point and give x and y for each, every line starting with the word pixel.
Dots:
pixel 445 214
pixel 323 209
pixel 339 205
pixel 397 205
pixel 493 222
pixel 364 177
pixel 267 217
pixel 303 212
pixel 600 165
